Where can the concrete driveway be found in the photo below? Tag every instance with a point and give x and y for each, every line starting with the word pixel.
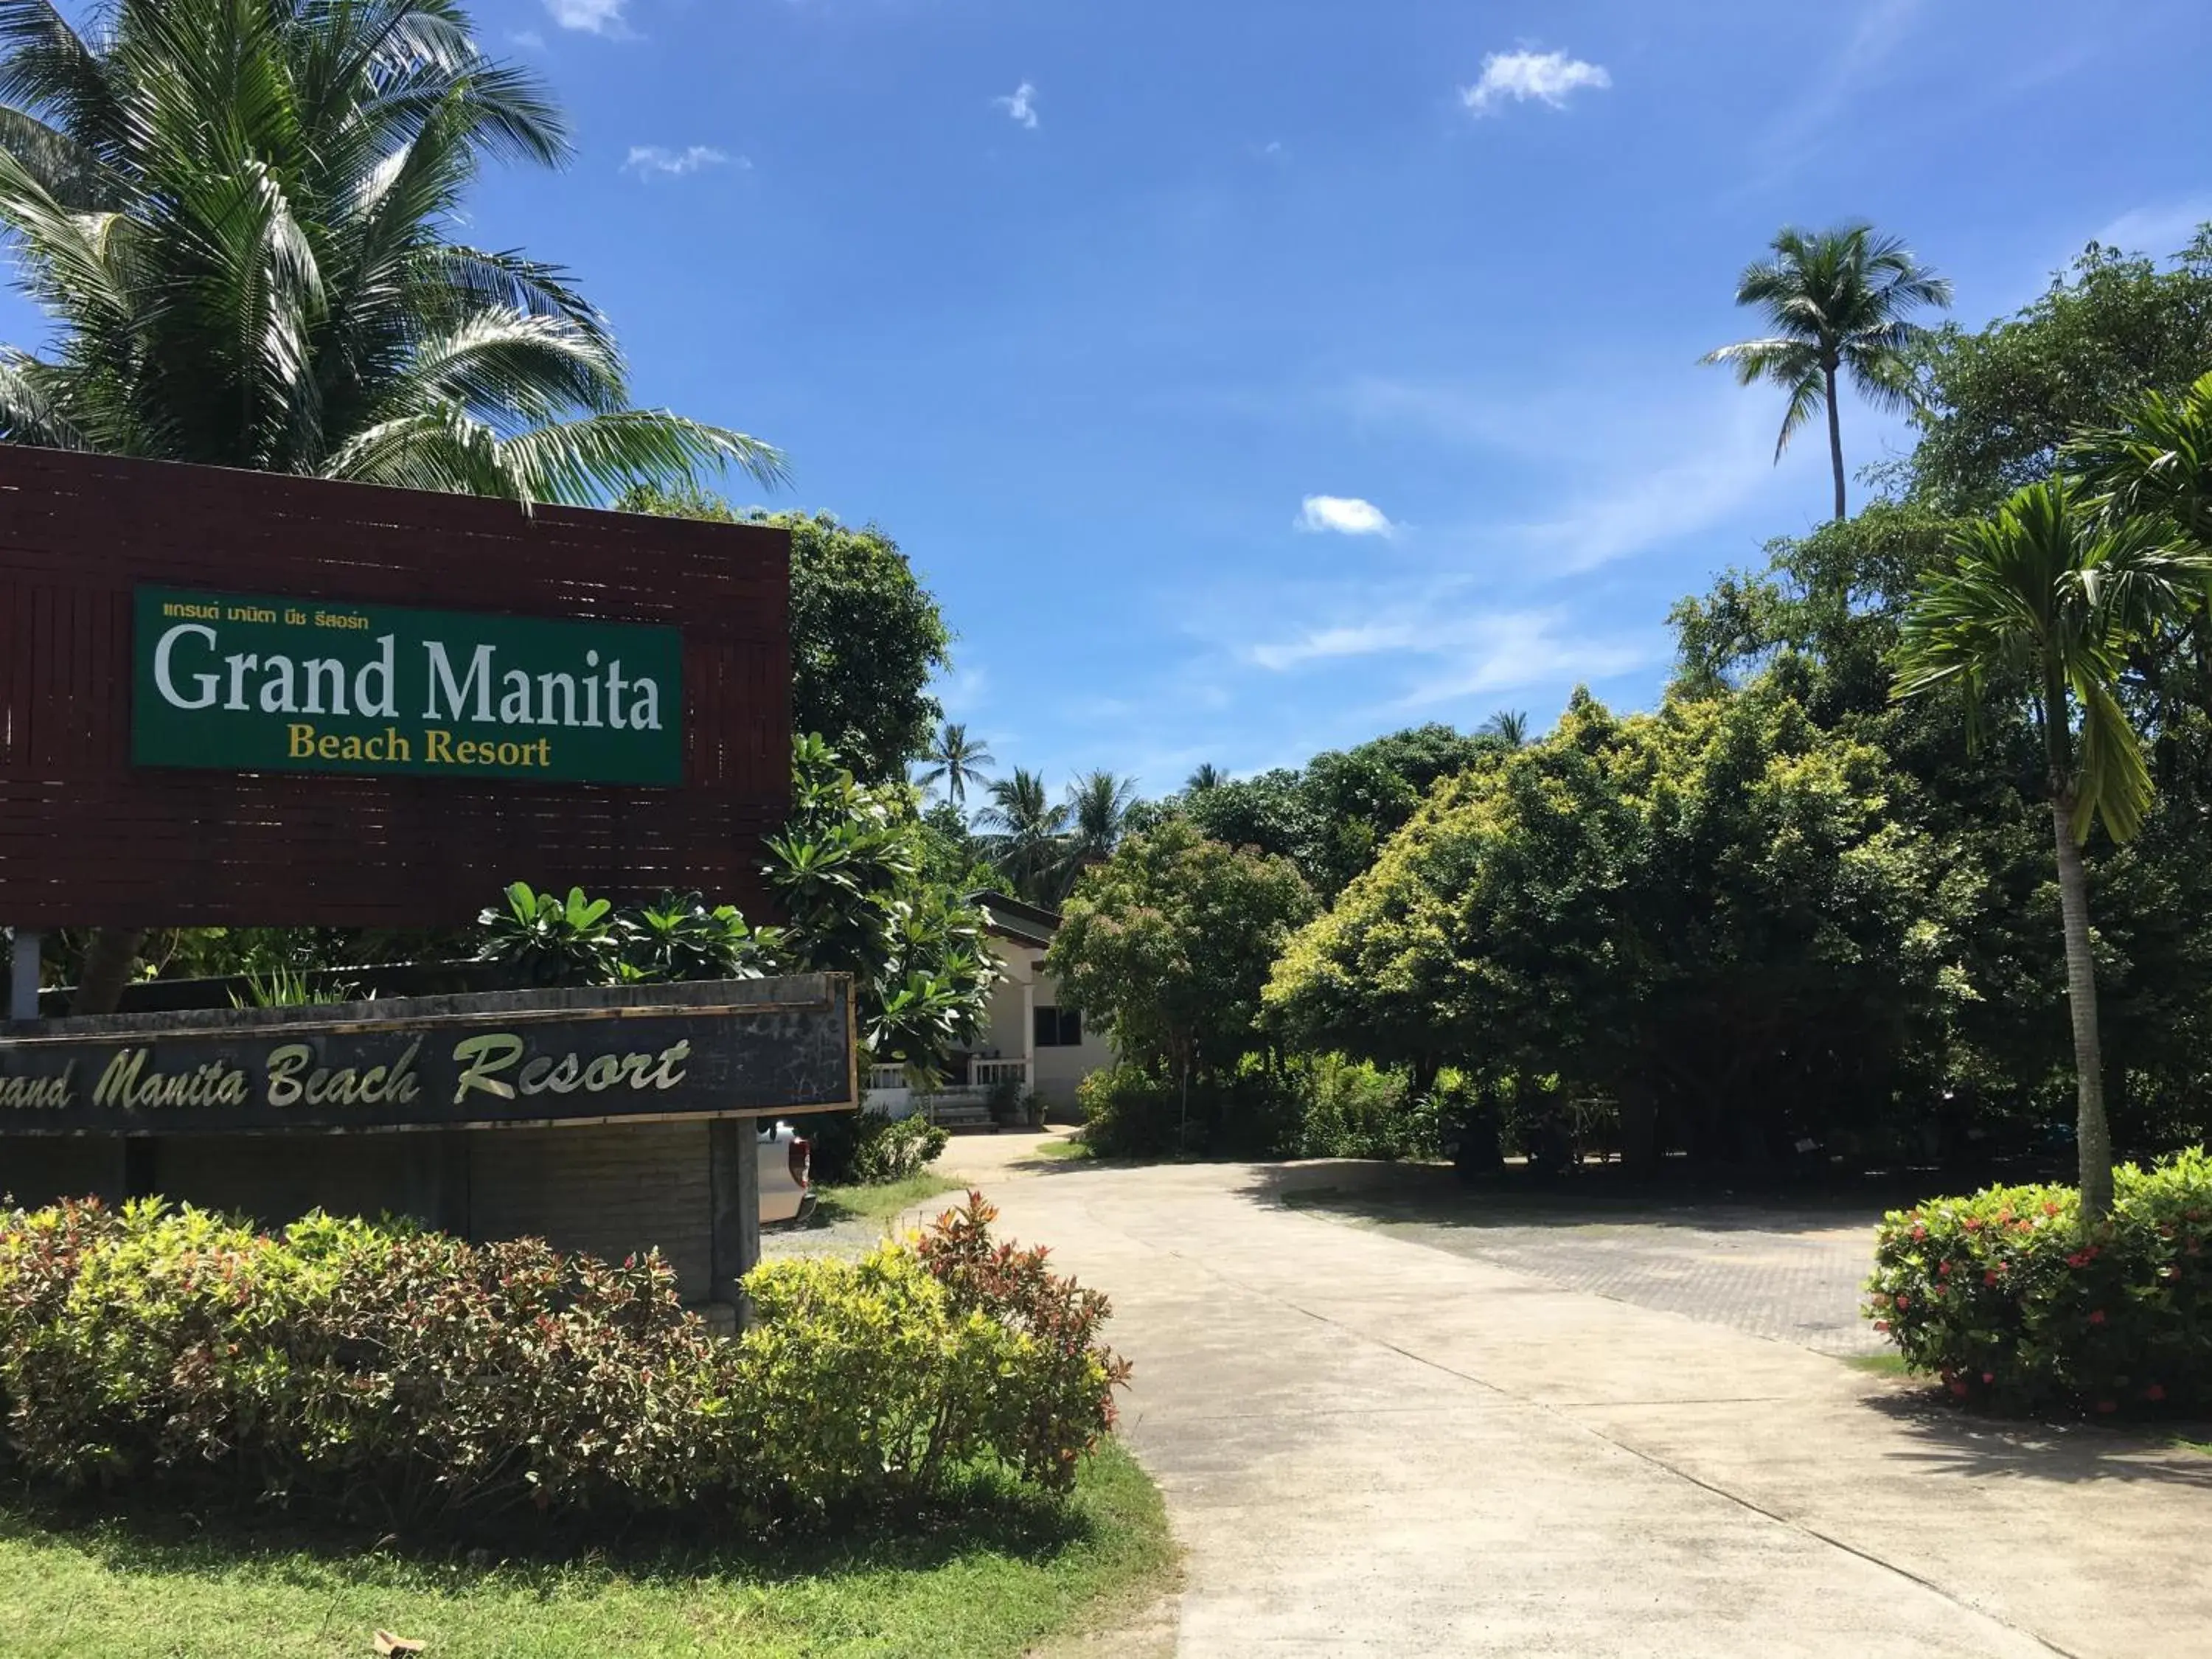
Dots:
pixel 1371 1445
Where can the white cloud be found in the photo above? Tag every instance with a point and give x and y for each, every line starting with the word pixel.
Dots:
pixel 1518 652
pixel 647 161
pixel 2158 231
pixel 1021 104
pixel 593 17
pixel 1347 515
pixel 1647 471
pixel 963 692
pixel 1547 76
pixel 528 40
pixel 1487 652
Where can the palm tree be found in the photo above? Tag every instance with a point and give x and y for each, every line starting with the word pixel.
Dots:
pixel 1207 777
pixel 956 760
pixel 1097 804
pixel 1837 301
pixel 1028 835
pixel 2044 601
pixel 235 212
pixel 1509 726
pixel 2157 462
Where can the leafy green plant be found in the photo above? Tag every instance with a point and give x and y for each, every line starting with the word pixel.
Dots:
pixel 283 986
pixel 868 1149
pixel 1355 1108
pixel 1003 1101
pixel 1043 1428
pixel 378 1370
pixel 2018 1306
pixel 548 940
pixel 682 939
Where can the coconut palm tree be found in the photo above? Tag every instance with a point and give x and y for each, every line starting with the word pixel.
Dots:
pixel 2043 602
pixel 1097 805
pixel 1837 302
pixel 1207 777
pixel 955 760
pixel 237 214
pixel 1026 835
pixel 1509 726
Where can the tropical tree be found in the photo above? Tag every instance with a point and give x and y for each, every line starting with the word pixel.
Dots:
pixel 2157 461
pixel 2044 603
pixel 956 761
pixel 1702 920
pixel 1998 405
pixel 1097 810
pixel 1026 835
pixel 1205 776
pixel 237 214
pixel 1838 302
pixel 1168 944
pixel 1509 726
pixel 866 637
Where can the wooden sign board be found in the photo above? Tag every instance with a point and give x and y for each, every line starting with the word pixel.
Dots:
pixel 641 1053
pixel 220 705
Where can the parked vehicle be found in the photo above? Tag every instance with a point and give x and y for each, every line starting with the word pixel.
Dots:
pixel 787 1187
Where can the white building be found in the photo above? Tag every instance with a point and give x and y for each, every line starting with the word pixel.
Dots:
pixel 1033 1042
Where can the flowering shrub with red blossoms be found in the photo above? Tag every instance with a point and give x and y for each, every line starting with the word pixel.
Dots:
pixel 2017 1308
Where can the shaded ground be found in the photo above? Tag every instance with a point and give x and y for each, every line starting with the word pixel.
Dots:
pixel 1790 1274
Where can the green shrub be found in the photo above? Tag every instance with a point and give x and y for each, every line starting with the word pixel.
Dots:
pixel 2006 1299
pixel 1064 1399
pixel 867 1149
pixel 1357 1109
pixel 1128 1112
pixel 401 1376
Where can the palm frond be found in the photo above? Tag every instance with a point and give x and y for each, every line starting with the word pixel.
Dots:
pixel 583 462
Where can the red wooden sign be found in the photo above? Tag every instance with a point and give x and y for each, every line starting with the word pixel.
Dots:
pixel 88 839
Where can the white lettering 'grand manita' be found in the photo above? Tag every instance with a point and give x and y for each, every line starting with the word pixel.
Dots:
pixel 191 673
pixel 600 697
pixel 280 684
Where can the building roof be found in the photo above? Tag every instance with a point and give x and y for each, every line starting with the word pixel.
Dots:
pixel 1016 918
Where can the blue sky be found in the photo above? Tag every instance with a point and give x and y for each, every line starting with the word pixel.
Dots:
pixel 1085 303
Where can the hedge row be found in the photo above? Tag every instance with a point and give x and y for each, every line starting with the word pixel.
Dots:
pixel 2016 1307
pixel 381 1370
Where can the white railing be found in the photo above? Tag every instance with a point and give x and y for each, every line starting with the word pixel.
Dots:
pixel 886 1076
pixel 988 1073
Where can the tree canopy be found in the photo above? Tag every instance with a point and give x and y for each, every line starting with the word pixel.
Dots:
pixel 238 217
pixel 1704 917
pixel 1170 942
pixel 866 637
pixel 1997 403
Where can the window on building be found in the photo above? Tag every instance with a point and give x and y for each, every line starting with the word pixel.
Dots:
pixel 1058 1028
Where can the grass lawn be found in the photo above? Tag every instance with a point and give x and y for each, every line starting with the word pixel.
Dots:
pixel 1881 1364
pixel 836 1204
pixel 991 1580
pixel 1067 1148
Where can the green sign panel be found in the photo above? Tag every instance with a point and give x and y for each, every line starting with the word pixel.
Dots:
pixel 236 683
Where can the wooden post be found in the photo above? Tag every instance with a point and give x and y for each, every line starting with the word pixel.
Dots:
pixel 23 974
pixel 733 1193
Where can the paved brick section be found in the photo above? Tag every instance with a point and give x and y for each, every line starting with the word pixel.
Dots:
pixel 1762 1272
